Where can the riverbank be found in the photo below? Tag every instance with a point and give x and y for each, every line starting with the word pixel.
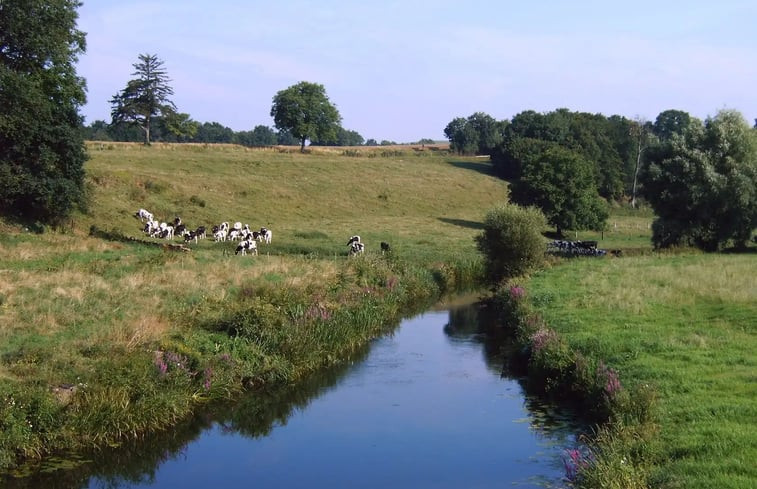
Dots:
pixel 104 338
pixel 662 348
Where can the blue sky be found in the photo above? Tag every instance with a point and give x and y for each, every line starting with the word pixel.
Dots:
pixel 402 70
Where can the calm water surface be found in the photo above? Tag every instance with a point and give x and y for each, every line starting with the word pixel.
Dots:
pixel 424 407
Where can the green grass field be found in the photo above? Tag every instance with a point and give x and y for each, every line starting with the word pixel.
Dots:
pixel 83 310
pixel 687 326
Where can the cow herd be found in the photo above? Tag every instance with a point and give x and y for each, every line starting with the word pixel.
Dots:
pixel 246 238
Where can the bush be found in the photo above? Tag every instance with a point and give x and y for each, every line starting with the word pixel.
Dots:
pixel 512 243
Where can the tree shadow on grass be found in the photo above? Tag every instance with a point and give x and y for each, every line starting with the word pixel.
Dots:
pixel 484 166
pixel 462 222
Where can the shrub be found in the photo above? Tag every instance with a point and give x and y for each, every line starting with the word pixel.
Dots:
pixel 511 243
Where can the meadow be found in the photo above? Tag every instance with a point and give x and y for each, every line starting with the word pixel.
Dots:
pixel 683 326
pixel 105 334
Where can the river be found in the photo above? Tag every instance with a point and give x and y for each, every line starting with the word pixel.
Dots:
pixel 424 407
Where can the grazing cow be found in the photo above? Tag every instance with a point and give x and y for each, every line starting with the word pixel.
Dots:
pixel 143 215
pixel 190 236
pixel 353 239
pixel 266 235
pixel 385 248
pixel 234 235
pixel 200 232
pixel 220 235
pixel 247 246
pixel 356 246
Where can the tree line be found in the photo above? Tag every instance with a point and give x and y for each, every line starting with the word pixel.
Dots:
pixel 700 177
pixel 143 111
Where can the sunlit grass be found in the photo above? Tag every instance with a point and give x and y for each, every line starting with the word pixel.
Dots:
pixel 685 325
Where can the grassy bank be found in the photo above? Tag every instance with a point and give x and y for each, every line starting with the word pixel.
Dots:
pixel 104 338
pixel 683 327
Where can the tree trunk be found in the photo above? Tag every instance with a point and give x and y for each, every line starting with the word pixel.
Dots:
pixel 147 131
pixel 302 145
pixel 636 174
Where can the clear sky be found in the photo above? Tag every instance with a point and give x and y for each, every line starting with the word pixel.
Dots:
pixel 402 70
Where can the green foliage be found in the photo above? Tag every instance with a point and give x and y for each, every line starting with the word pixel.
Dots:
pixel 478 134
pixel 672 122
pixel 703 184
pixel 511 242
pixel 602 142
pixel 259 136
pixel 344 137
pixel 304 110
pixel 41 147
pixel 146 97
pixel 561 183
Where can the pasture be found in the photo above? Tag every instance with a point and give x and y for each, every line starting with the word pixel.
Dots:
pixel 685 325
pixel 89 304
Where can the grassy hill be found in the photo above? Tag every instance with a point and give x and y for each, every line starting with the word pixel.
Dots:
pixel 89 315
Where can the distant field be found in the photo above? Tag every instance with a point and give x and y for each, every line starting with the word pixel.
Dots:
pixel 416 200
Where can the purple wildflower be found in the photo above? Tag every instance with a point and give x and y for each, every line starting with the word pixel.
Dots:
pixel 610 378
pixel 573 463
pixel 542 338
pixel 392 282
pixel 517 292
pixel 208 375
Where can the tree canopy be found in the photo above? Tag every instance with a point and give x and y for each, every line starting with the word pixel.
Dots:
pixel 560 182
pixel 42 150
pixel 144 97
pixel 478 134
pixel 702 183
pixel 304 110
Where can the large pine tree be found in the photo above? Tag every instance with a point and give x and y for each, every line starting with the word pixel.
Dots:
pixel 42 151
pixel 144 97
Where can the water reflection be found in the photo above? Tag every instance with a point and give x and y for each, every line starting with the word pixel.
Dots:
pixel 415 409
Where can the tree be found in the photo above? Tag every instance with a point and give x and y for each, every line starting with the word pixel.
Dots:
pixel 259 136
pixel 304 110
pixel 702 184
pixel 344 137
pixel 489 132
pixel 561 183
pixel 180 125
pixel 479 134
pixel 640 134
pixel 214 132
pixel 42 150
pixel 144 97
pixel 670 122
pixel 511 242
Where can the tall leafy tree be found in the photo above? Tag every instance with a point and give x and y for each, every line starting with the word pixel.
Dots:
pixel 305 111
pixel 463 139
pixel 42 150
pixel 180 125
pixel 480 133
pixel 259 136
pixel 144 97
pixel 702 184
pixel 670 122
pixel 561 183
